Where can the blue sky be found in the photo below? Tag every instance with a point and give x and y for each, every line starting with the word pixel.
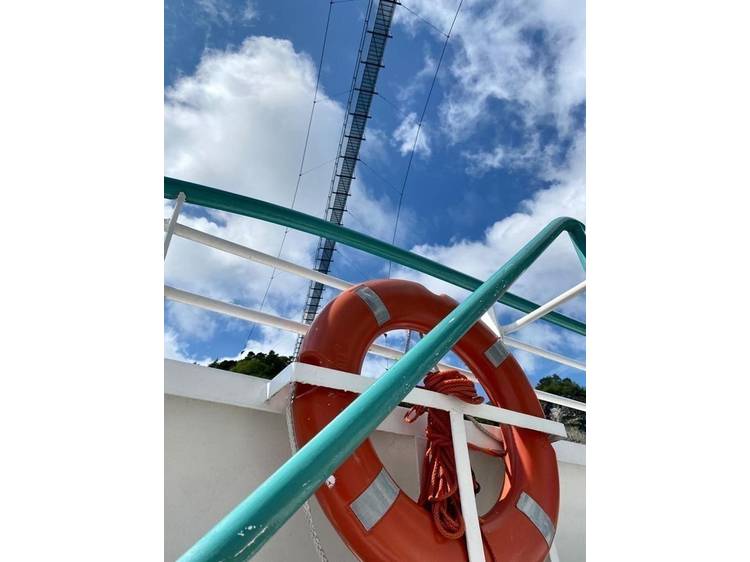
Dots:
pixel 503 154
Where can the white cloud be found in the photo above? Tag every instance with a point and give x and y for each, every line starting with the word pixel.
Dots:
pixel 528 56
pixel 557 270
pixel 239 123
pixel 483 161
pixel 174 348
pixel 497 58
pixel 406 133
pixel 264 339
pixel 373 214
pixel 374 366
pixel 374 149
pixel 225 13
pixel 191 321
pixel 218 11
pixel 250 13
pixel 406 92
pixel 532 156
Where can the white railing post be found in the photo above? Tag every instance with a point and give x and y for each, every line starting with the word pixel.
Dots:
pixel 474 544
pixel 173 221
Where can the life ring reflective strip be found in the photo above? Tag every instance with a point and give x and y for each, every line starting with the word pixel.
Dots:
pixel 377 520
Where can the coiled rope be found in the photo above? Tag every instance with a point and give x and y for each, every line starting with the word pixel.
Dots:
pixel 439 491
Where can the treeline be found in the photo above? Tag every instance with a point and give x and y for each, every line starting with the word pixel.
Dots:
pixel 263 365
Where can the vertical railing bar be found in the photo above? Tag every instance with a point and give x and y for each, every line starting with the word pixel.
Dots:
pixel 578 237
pixel 173 221
pixel 474 544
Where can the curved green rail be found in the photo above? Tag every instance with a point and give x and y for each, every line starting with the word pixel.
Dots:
pixel 255 208
pixel 249 525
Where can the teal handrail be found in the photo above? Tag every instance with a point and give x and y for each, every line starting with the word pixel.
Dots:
pixel 254 521
pixel 255 208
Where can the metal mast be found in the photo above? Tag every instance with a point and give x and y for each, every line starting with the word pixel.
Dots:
pixel 352 135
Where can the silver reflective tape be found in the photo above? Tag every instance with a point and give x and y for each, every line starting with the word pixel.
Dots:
pixel 496 353
pixel 537 516
pixel 376 305
pixel 376 500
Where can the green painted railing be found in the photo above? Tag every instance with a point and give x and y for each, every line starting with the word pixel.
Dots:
pixel 246 529
pixel 255 208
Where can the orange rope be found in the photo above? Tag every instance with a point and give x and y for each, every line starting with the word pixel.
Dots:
pixel 439 491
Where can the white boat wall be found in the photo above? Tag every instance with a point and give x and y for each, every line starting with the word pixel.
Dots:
pixel 222 439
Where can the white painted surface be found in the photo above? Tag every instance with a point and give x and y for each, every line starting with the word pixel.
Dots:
pixel 216 454
pixel 472 531
pixel 570 538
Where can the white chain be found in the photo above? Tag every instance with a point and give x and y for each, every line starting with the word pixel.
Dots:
pixel 306 507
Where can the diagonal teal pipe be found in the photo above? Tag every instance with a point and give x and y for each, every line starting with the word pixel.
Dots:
pixel 249 525
pixel 255 208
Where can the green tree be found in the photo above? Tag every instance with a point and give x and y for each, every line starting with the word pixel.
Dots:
pixel 574 420
pixel 263 365
pixel 562 387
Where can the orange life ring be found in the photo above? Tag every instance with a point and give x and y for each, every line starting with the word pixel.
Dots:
pixel 377 520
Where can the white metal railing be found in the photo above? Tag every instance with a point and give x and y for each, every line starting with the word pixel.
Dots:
pixel 178 295
pixel 331 281
pixel 228 309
